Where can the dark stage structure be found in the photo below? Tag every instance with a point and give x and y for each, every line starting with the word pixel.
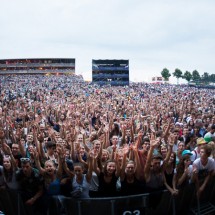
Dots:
pixel 113 72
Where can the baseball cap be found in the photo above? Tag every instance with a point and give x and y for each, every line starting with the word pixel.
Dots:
pixel 207 137
pixel 201 141
pixel 186 152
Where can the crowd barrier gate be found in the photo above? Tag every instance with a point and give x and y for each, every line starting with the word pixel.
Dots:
pixel 149 203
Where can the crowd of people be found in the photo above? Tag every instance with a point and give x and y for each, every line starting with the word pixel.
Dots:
pixel 61 136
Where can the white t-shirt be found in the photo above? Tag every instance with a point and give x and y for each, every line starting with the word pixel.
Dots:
pixel 203 171
pixel 195 154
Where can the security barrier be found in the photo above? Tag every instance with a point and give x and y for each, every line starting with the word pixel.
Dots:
pixel 150 203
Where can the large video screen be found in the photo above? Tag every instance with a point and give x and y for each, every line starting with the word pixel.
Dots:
pixel 111 65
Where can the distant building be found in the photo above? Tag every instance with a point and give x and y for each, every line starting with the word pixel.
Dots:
pixel 37 66
pixel 113 72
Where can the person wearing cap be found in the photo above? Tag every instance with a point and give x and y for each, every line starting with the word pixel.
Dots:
pixel 181 180
pixel 183 170
pixel 182 176
pixel 203 168
pixel 196 152
pixel 211 134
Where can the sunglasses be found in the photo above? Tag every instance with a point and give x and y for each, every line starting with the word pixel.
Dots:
pixel 7 156
pixel 25 160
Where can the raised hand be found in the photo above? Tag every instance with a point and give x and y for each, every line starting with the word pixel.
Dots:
pixel 169 121
pixel 125 149
pixel 92 155
pixel 35 154
pixel 131 146
pixel 195 171
pixel 171 139
pixel 153 142
pixel 83 132
pixel 7 149
pixel 40 137
pixel 73 134
pixel 77 129
pixel 59 152
pixel 18 133
pixel 123 126
pixel 152 128
pixel 34 130
pixel 106 128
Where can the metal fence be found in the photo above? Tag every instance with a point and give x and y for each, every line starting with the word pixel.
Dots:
pixel 149 203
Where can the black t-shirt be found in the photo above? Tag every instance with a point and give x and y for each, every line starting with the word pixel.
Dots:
pixel 107 189
pixel 29 185
pixel 169 177
pixel 136 187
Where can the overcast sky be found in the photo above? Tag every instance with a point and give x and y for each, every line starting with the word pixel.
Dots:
pixel 152 34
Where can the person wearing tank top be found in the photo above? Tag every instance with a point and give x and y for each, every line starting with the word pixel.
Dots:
pixel 80 186
pixel 80 181
pixel 154 171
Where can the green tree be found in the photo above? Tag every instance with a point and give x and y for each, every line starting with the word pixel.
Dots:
pixel 165 74
pixel 187 76
pixel 196 76
pixel 212 78
pixel 206 77
pixel 177 74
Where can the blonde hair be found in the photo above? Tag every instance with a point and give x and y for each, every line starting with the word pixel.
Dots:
pixel 212 145
pixel 106 151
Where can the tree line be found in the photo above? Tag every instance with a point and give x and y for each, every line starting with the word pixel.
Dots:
pixel 194 76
